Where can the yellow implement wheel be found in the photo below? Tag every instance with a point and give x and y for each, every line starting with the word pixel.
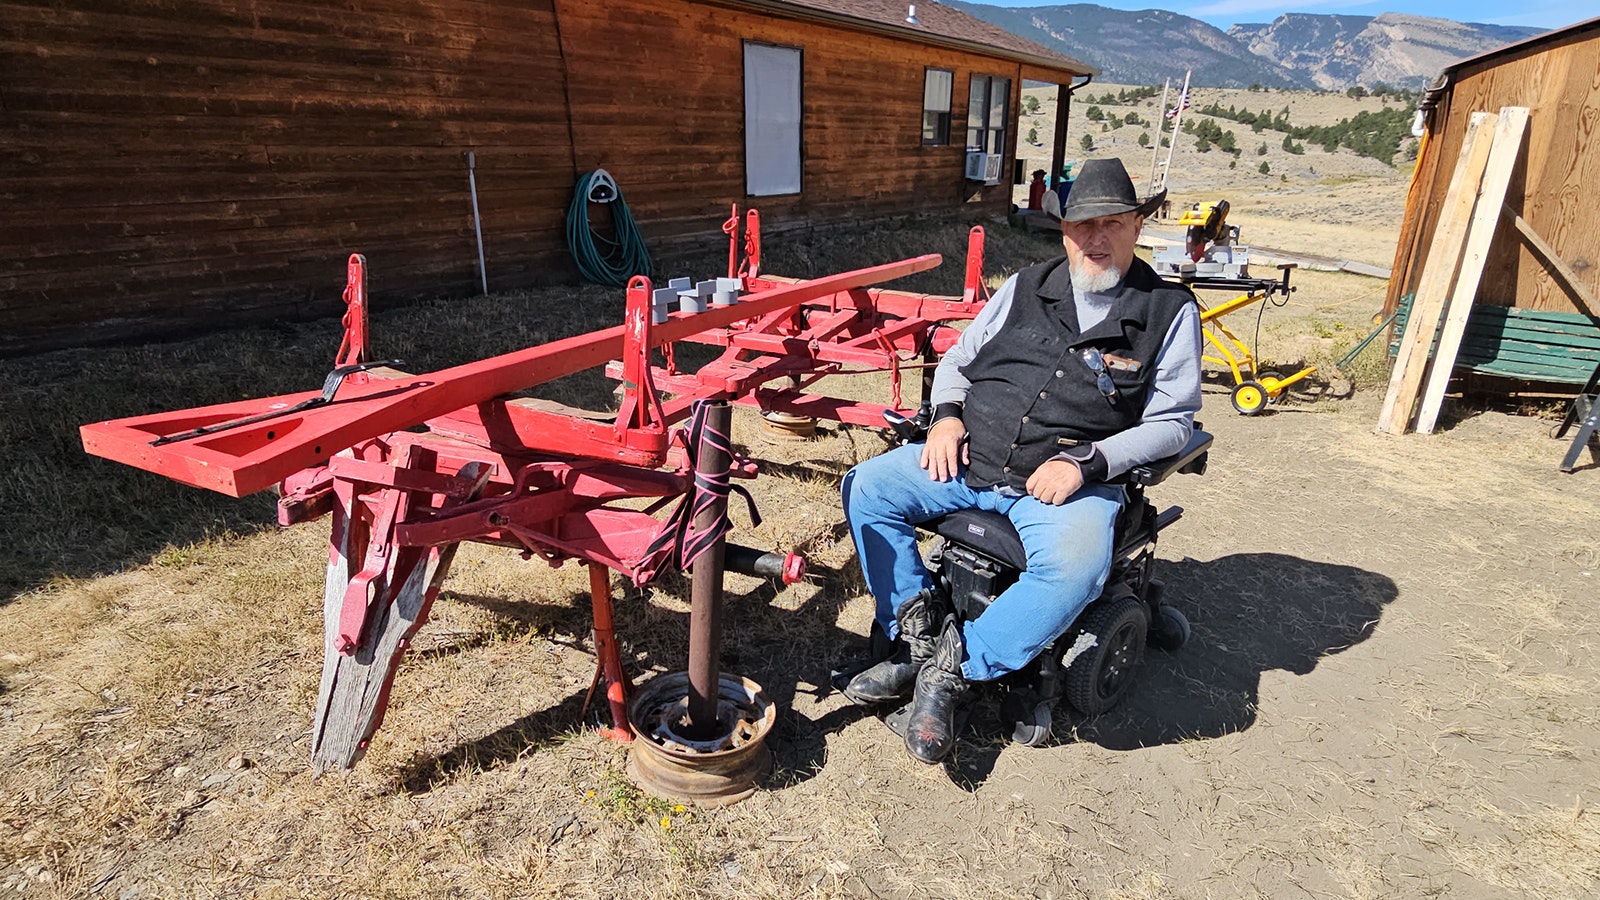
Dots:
pixel 1269 380
pixel 1249 398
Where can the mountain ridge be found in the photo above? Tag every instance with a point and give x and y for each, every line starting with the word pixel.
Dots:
pixel 1295 50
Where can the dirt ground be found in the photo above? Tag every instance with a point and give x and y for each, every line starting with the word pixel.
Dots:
pixel 1389 692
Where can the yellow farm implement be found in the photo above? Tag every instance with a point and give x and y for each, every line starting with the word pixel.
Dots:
pixel 1253 388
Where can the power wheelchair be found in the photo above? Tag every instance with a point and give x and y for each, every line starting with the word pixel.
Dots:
pixel 978 554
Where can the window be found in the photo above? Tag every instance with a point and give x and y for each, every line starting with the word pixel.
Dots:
pixel 771 120
pixel 937 87
pixel 988 102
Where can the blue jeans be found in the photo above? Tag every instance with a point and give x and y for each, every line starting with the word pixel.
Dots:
pixel 1068 548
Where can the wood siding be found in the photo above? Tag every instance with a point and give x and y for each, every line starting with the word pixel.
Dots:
pixel 1554 187
pixel 680 163
pixel 165 164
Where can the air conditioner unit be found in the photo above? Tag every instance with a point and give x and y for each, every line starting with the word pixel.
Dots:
pixel 975 164
pixel 991 168
pixel 984 167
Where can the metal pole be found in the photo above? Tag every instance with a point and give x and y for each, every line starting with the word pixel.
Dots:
pixel 477 223
pixel 1155 153
pixel 611 673
pixel 705 598
pixel 1182 98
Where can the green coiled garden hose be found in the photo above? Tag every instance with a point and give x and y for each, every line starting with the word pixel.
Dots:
pixel 621 258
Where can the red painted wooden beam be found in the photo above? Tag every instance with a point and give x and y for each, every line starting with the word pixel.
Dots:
pixel 250 458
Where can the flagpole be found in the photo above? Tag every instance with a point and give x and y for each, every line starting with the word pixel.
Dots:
pixel 1183 99
pixel 1161 123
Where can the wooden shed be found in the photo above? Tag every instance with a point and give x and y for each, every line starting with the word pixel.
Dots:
pixel 1541 271
pixel 171 165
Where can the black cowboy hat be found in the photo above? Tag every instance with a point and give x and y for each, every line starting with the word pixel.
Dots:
pixel 1102 188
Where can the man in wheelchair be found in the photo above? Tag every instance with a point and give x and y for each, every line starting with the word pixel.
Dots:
pixel 1076 371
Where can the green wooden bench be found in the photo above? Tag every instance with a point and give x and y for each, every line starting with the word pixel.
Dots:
pixel 1527 344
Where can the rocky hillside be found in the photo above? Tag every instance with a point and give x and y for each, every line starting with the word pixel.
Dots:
pixel 1140 47
pixel 1297 50
pixel 1402 50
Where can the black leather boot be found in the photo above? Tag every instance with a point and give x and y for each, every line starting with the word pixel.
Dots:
pixel 941 689
pixel 892 679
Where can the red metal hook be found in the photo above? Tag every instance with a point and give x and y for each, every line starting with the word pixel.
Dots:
pixel 353 349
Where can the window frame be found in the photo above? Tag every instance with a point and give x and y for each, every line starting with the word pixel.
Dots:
pixel 991 134
pixel 744 123
pixel 942 138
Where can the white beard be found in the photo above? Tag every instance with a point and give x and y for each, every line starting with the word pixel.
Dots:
pixel 1092 283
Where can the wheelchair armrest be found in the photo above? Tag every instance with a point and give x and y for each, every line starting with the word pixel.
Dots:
pixel 1191 460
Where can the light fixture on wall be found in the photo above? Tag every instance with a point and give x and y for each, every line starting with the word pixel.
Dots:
pixel 911 14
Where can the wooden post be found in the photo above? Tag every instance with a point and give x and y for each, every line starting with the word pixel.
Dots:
pixel 1058 147
pixel 1155 152
pixel 1444 255
pixel 1508 131
pixel 1177 119
pixel 705 611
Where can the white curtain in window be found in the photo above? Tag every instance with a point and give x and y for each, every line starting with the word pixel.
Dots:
pixel 771 120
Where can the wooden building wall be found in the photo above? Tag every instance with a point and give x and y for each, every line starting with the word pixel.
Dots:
pixel 680 160
pixel 1554 188
pixel 163 165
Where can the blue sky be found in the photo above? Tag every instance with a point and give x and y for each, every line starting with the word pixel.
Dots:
pixel 1222 13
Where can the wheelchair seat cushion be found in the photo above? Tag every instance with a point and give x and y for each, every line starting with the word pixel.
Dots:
pixel 989 533
pixel 993 535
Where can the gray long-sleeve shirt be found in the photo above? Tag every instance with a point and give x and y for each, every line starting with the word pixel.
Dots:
pixel 1169 412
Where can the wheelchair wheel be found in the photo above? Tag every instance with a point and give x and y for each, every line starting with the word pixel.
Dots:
pixel 1028 716
pixel 1097 679
pixel 1170 629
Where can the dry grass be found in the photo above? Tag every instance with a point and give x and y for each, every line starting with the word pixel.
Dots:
pixel 1386 694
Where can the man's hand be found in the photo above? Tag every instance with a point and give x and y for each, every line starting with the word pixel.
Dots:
pixel 945 449
pixel 1055 481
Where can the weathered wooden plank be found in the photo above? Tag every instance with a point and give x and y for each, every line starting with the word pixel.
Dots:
pixel 1531 372
pixel 1510 127
pixel 1481 334
pixel 1531 366
pixel 1536 317
pixel 1562 83
pixel 1517 329
pixel 1439 274
pixel 355 687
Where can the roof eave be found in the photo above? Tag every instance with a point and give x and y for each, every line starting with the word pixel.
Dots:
pixel 820 15
pixel 1448 72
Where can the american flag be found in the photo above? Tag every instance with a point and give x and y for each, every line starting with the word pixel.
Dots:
pixel 1183 103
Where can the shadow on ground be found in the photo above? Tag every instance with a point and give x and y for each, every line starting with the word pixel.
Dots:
pixel 775 647
pixel 1251 613
pixel 1319 385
